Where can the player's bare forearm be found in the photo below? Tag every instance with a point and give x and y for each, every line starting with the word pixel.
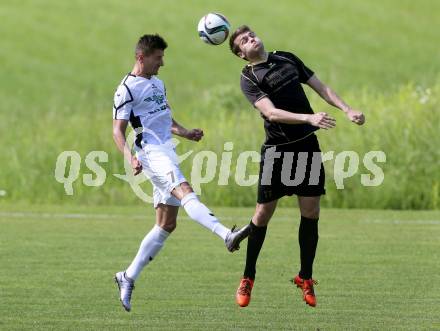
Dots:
pixel 273 114
pixel 122 146
pixel 320 120
pixel 179 130
pixel 330 96
pixel 282 116
pixel 119 128
pixel 326 93
pixel 353 115
pixel 334 100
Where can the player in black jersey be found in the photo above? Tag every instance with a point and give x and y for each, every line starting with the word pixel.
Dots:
pixel 271 81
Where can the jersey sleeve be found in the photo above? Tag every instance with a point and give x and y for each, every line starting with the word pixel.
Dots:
pixel 304 72
pixel 122 103
pixel 250 89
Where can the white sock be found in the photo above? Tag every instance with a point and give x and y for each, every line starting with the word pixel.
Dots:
pixel 150 246
pixel 201 214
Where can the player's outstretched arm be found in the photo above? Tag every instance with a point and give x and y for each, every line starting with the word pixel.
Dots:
pixel 179 130
pixel 273 114
pixel 333 99
pixel 119 128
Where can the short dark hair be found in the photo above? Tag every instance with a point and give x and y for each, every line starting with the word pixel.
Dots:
pixel 234 47
pixel 150 42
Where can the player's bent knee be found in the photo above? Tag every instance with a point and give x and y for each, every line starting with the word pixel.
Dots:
pixel 182 190
pixel 263 213
pixel 310 212
pixel 186 186
pixel 262 217
pixel 168 226
pixel 309 207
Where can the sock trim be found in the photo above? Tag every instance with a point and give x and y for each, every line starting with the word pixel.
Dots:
pixel 161 232
pixel 309 219
pixel 188 197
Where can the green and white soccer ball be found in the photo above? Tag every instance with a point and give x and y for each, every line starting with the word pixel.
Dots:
pixel 213 28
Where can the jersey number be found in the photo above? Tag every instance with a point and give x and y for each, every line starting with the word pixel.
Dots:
pixel 171 174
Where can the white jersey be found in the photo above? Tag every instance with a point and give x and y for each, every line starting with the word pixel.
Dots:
pixel 143 103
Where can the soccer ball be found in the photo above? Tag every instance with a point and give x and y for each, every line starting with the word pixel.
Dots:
pixel 213 28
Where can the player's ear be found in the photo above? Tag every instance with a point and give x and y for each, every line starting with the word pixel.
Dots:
pixel 139 56
pixel 241 55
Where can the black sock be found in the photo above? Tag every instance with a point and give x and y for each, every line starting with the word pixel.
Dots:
pixel 255 241
pixel 308 241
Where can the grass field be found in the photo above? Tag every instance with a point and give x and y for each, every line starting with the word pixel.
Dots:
pixel 378 270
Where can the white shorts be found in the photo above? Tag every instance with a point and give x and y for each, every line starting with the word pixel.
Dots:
pixel 160 165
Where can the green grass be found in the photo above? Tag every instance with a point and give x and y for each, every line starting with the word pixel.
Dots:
pixel 63 60
pixel 58 262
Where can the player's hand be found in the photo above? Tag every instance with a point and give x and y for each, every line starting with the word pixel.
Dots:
pixel 194 134
pixel 356 117
pixel 136 165
pixel 322 120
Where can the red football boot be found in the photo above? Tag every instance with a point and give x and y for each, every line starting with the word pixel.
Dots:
pixel 243 295
pixel 307 288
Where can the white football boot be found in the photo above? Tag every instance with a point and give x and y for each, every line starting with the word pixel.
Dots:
pixel 234 237
pixel 126 287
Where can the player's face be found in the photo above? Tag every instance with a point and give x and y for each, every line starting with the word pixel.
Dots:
pixel 249 44
pixel 153 62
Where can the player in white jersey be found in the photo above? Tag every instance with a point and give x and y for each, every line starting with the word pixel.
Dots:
pixel 141 100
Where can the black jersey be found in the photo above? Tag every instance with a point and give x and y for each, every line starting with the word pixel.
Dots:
pixel 279 79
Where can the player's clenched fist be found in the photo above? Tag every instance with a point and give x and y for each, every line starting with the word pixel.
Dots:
pixel 356 117
pixel 194 134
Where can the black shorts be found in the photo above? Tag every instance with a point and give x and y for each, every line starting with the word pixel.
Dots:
pixel 294 168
